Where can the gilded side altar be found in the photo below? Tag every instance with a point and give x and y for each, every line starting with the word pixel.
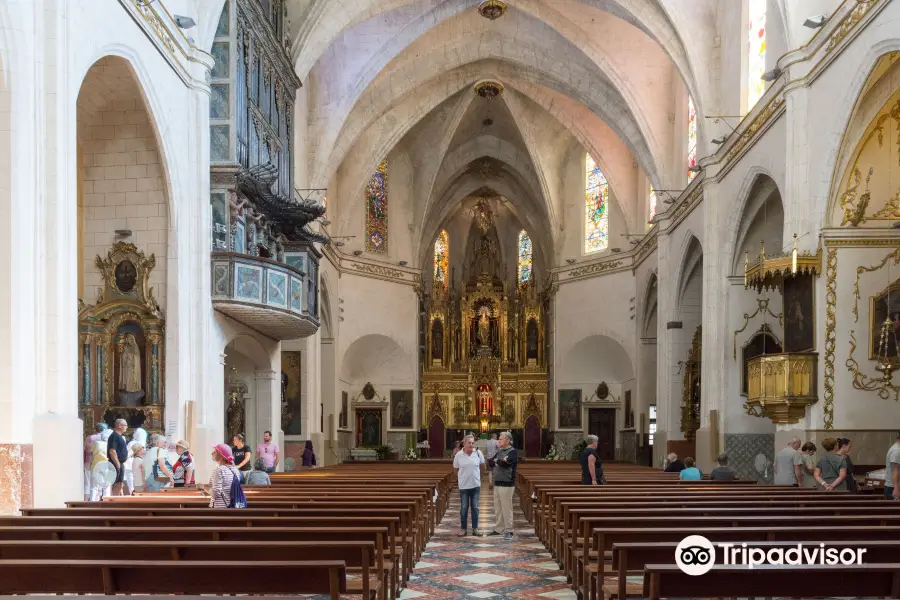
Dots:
pixel 122 345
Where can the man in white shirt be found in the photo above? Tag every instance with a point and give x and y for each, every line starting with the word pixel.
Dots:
pixel 789 464
pixel 892 471
pixel 468 464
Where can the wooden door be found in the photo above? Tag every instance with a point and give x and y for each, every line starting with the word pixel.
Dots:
pixel 532 435
pixel 602 423
pixel 436 433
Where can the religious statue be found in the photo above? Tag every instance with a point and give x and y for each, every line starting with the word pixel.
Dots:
pixel 484 327
pixel 235 416
pixel 130 366
pixel 437 340
pixel 531 339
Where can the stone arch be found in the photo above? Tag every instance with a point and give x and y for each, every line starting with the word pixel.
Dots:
pixel 690 266
pixel 376 358
pixel 251 347
pixel 152 105
pixel 596 358
pixel 761 217
pixel 872 100
pixel 650 306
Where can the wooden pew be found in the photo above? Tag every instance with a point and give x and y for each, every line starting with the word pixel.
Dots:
pixel 608 539
pixel 857 581
pixel 187 577
pixel 629 558
pixel 357 555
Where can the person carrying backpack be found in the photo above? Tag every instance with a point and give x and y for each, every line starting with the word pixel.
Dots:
pixel 225 482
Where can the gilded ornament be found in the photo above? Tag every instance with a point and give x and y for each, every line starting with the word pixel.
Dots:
pixel 593 269
pixel 378 270
pixel 861 9
pixel 755 126
pixel 830 335
pixel 492 9
pixel 762 306
pixel 489 89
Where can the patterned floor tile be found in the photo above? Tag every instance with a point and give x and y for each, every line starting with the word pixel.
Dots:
pixel 482 595
pixel 483 578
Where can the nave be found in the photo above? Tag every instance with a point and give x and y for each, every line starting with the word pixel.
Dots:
pixel 486 566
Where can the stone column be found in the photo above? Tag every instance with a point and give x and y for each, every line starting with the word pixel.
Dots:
pixel 329 398
pixel 666 404
pixel 646 384
pixel 268 410
pixel 313 396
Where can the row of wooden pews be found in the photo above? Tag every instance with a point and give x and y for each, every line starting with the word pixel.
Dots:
pixel 353 528
pixel 619 540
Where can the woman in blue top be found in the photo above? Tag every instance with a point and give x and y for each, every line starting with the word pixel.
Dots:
pixel 690 472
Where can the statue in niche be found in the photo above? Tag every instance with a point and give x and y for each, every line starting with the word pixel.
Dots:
pixel 130 366
pixel 437 340
pixel 484 327
pixel 235 416
pixel 531 339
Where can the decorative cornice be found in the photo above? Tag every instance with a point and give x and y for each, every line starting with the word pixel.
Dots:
pixel 747 136
pixel 646 247
pixel 849 23
pixel 378 270
pixel 880 237
pixel 176 49
pixel 595 268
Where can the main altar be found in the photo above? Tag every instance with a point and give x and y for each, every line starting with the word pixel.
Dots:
pixel 121 345
pixel 484 364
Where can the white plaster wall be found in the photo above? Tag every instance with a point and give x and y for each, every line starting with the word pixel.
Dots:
pixel 122 179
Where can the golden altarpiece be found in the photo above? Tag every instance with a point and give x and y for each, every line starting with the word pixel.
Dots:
pixel 484 362
pixel 121 345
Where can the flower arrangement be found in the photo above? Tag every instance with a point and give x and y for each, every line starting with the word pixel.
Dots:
pixel 552 454
pixel 411 453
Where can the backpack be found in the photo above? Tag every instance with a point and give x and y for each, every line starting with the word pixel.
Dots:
pixel 238 499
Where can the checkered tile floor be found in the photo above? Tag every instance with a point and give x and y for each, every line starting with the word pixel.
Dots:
pixel 486 567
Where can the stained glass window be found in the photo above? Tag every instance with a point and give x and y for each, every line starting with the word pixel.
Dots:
pixel 692 139
pixel 441 258
pixel 756 64
pixel 651 202
pixel 376 211
pixel 596 216
pixel 525 257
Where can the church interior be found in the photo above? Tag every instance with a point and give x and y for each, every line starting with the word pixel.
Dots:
pixel 379 226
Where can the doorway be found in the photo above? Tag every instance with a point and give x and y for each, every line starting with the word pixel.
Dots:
pixel 602 423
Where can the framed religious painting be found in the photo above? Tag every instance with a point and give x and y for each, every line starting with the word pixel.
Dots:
pixel 885 308
pixel 569 408
pixel 401 409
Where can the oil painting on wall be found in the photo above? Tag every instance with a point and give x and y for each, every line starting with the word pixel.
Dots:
pixel 401 409
pixel 570 409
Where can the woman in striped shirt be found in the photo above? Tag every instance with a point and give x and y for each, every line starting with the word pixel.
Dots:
pixel 222 477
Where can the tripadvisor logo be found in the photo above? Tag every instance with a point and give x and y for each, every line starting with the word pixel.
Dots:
pixel 696 555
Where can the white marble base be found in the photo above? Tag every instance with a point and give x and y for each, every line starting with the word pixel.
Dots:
pixel 58 471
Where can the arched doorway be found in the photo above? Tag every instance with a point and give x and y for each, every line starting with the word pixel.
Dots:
pixel 436 439
pixel 532 437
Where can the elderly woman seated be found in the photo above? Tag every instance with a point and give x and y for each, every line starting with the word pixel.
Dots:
pixel 258 475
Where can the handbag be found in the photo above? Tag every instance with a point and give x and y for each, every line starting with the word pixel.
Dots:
pixel 238 499
pixel 158 474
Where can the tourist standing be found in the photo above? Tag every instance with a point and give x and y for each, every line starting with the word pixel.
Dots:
pixel 892 471
pixel 157 470
pixel 184 466
pixel 504 467
pixel 117 452
pixel 135 459
pixel 89 452
pixel 222 478
pixel 845 446
pixel 788 464
pixel 831 472
pixel 490 449
pixel 268 451
pixel 242 455
pixel 723 472
pixel 309 455
pixel 808 468
pixel 99 488
pixel 468 464
pixel 591 468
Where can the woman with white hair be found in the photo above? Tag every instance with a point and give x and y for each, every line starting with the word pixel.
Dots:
pixel 99 487
pixel 156 465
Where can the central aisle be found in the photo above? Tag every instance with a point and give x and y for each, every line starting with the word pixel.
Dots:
pixel 486 567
